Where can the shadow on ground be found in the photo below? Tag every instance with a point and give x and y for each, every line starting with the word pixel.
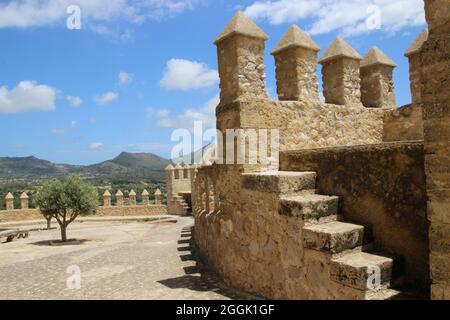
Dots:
pixel 59 243
pixel 197 277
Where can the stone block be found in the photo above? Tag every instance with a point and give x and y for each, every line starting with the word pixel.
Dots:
pixel 333 237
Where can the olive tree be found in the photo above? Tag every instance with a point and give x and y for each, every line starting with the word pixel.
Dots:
pixel 66 200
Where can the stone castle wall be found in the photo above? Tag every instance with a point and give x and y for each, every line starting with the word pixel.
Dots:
pixel 239 229
pixel 135 210
pixel 435 95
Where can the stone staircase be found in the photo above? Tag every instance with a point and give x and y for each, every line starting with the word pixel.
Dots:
pixel 346 245
pixel 181 206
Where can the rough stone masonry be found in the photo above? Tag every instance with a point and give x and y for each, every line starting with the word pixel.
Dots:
pixel 309 230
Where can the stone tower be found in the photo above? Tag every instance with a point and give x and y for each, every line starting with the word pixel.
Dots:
pixel 296 66
pixel 340 73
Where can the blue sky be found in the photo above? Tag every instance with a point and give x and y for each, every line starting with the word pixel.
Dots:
pixel 138 69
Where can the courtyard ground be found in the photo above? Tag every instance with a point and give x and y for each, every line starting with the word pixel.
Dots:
pixel 117 260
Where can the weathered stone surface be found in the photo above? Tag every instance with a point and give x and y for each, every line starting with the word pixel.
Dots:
pixel 354 269
pixel 339 48
pixel 417 44
pixel 413 54
pixel 295 37
pixel 341 81
pixel 333 236
pixel 341 74
pixel 296 65
pixel 305 125
pixel 309 206
pixel 403 124
pixel 240 49
pixel 240 24
pixel 296 73
pixel 377 84
pixel 437 13
pixel 382 186
pixel 279 182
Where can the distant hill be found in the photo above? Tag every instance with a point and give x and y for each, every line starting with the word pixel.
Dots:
pixel 32 167
pixel 126 167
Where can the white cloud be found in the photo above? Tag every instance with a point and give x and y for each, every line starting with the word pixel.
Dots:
pixel 206 114
pixel 96 146
pixel 125 78
pixel 350 17
pixel 74 124
pixel 106 98
pixel 36 13
pixel 74 101
pixel 27 96
pixel 184 75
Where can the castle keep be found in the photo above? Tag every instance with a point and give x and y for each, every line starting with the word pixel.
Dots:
pixel 358 207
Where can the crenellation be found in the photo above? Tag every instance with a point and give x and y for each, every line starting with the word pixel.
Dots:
pixel 9 201
pixel 132 198
pixel 145 195
pixel 24 201
pixel 341 74
pixel 158 195
pixel 240 49
pixel 106 198
pixel 414 58
pixel 377 84
pixel 119 198
pixel 296 66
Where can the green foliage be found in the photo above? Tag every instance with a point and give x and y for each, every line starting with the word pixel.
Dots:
pixel 66 200
pixel 73 196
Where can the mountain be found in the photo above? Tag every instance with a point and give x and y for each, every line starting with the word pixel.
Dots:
pixel 31 167
pixel 128 166
pixel 125 167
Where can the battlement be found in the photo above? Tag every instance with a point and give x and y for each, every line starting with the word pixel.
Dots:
pixel 348 78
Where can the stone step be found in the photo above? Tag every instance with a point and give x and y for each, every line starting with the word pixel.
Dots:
pixel 384 294
pixel 308 206
pixel 362 270
pixel 333 237
pixel 279 182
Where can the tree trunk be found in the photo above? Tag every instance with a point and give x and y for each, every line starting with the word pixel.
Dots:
pixel 63 232
pixel 49 223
